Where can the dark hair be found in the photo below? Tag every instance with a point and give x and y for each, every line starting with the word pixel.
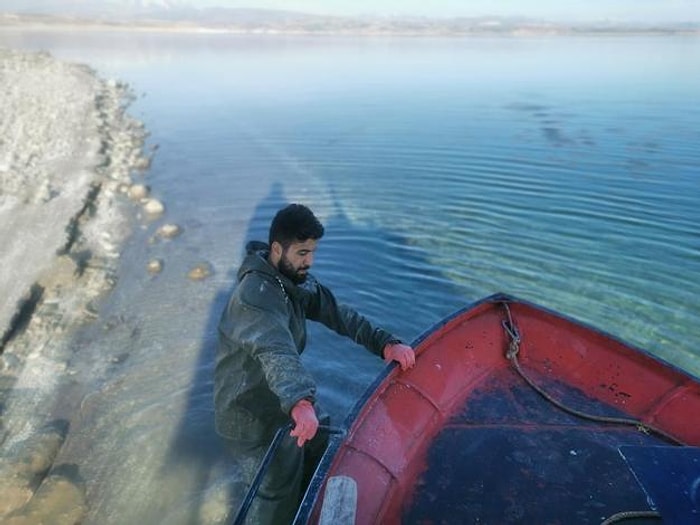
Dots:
pixel 294 223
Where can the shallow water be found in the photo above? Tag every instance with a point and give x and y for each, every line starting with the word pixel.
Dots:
pixel 559 170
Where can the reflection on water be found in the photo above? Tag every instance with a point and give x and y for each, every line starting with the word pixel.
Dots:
pixel 559 170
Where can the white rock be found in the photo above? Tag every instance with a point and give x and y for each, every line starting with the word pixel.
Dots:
pixel 155 266
pixel 153 207
pixel 142 163
pixel 169 231
pixel 200 271
pixel 138 192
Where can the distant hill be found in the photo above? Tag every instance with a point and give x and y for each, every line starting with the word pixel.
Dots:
pixel 179 15
pixel 91 8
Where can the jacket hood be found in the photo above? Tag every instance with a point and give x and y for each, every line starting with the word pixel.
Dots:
pixel 256 260
pixel 257 246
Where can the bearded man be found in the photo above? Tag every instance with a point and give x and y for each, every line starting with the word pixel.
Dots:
pixel 260 382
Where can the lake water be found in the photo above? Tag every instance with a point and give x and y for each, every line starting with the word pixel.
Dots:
pixel 561 170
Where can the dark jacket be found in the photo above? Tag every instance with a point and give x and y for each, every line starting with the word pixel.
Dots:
pixel 259 375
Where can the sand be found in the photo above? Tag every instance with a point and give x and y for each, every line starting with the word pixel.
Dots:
pixel 68 154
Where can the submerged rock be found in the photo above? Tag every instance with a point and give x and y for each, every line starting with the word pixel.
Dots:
pixel 154 266
pixel 154 207
pixel 169 231
pixel 59 500
pixel 24 465
pixel 138 192
pixel 142 163
pixel 200 271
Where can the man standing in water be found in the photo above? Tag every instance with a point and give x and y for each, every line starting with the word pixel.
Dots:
pixel 260 382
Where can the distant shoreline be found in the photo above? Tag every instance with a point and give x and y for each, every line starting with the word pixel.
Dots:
pixel 335 26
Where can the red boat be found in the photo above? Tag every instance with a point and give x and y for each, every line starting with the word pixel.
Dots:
pixel 516 414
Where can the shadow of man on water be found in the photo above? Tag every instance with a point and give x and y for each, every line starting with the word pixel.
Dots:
pixel 364 263
pixel 196 441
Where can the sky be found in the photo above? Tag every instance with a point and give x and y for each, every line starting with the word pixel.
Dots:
pixel 625 10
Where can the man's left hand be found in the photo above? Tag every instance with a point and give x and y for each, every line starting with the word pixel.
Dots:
pixel 401 353
pixel 305 422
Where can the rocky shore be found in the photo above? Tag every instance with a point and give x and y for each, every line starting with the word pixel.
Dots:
pixel 68 155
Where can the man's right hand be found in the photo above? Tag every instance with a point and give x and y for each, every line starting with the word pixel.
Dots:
pixel 306 423
pixel 403 354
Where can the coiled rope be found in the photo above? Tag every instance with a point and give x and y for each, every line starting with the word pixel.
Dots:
pixel 512 356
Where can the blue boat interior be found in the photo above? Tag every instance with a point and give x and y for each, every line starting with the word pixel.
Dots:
pixel 508 455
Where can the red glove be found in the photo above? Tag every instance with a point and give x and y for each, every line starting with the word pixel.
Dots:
pixel 306 423
pixel 401 353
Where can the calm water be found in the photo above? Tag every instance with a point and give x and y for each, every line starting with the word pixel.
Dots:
pixel 560 170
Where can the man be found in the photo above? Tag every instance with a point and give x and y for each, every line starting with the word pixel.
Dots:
pixel 260 381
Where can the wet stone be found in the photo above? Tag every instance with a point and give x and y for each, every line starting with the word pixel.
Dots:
pixel 153 207
pixel 59 500
pixel 200 272
pixel 24 465
pixel 169 231
pixel 138 192
pixel 154 266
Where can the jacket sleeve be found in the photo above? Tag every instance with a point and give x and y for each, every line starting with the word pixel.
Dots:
pixel 261 328
pixel 344 320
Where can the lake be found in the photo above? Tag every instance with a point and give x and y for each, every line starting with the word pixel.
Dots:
pixel 562 170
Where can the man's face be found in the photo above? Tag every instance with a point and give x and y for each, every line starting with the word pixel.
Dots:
pixel 297 259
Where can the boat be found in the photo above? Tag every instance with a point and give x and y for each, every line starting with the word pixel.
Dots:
pixel 516 414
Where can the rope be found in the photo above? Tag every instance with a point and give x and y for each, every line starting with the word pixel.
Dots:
pixel 512 355
pixel 632 514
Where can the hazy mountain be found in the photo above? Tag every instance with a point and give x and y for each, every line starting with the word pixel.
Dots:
pixel 93 8
pixel 180 13
pixel 58 6
pixel 163 10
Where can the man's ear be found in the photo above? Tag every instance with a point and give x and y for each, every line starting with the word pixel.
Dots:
pixel 276 251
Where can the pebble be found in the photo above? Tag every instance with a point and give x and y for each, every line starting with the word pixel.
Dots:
pixel 200 271
pixel 138 192
pixel 142 163
pixel 169 231
pixel 155 266
pixel 154 207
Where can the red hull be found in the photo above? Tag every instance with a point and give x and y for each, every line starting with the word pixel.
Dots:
pixel 463 438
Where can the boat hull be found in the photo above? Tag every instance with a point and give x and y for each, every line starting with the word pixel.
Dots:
pixel 466 437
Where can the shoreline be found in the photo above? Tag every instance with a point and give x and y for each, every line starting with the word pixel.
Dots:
pixel 67 160
pixel 271 33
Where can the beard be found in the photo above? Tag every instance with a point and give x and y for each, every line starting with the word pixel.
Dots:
pixel 293 274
